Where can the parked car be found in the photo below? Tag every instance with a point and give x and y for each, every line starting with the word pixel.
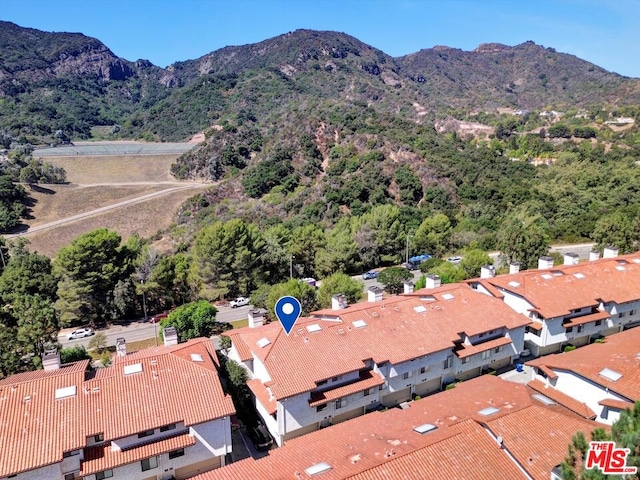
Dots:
pixel 260 437
pixel 158 318
pixel 80 333
pixel 454 259
pixel 370 274
pixel 239 302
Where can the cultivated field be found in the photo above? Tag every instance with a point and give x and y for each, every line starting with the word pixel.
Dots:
pixel 123 192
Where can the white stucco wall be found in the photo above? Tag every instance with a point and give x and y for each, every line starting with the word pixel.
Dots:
pixel 50 472
pixel 214 435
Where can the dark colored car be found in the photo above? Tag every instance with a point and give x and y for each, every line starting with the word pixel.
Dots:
pixel 369 275
pixel 260 437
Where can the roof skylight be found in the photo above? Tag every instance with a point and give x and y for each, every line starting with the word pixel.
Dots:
pixel 314 327
pixel 447 296
pixel 610 374
pixel 578 275
pixel 317 469
pixel 66 392
pixel 546 276
pixel 488 411
pixel 135 368
pixel 425 428
pixel 620 268
pixel 543 399
pixel 514 284
pixel 359 323
pixel 263 342
pixel 420 309
pixel 196 357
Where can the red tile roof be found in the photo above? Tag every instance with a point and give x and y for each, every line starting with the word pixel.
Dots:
pixel 574 286
pixel 98 459
pixel 263 396
pixel 538 437
pixel 620 352
pixel 615 404
pixel 109 402
pixel 563 399
pixel 592 317
pixel 368 379
pixel 383 445
pixel 396 330
pixel 467 350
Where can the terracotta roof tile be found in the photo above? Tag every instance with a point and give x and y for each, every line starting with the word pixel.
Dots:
pixel 538 437
pixel 620 352
pixel 263 396
pixel 98 459
pixel 586 319
pixel 563 399
pixel 396 330
pixel 368 379
pixel 109 402
pixel 615 404
pixel 383 445
pixel 574 286
pixel 468 350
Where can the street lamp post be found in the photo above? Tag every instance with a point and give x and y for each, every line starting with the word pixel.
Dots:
pixel 407 252
pixel 291 257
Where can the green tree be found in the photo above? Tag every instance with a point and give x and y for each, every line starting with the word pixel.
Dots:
pixel 472 261
pixel 386 235
pixel 305 242
pixel 27 274
pixel 98 342
pixel 38 324
pixel 393 279
pixel 626 433
pixel 618 229
pixel 340 283
pixel 448 273
pixel 340 254
pixel 73 354
pixel 524 239
pixel 195 319
pixel 89 269
pixel 304 292
pixel 227 259
pixel 432 236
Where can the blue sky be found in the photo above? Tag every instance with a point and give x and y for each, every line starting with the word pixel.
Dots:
pixel 605 32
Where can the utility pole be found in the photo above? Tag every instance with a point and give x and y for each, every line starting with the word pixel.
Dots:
pixel 407 254
pixel 144 308
pixel 291 257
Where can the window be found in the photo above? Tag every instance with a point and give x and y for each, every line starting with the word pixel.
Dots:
pixel 569 329
pixel 465 360
pixel 598 323
pixel 103 475
pixel 407 375
pixel 68 476
pixel 632 313
pixel 448 363
pixel 423 370
pixel 497 349
pixel 321 382
pixel 176 453
pixel 321 408
pixel 146 433
pixel 383 386
pixel 622 314
pixel 580 328
pixel 481 335
pixel 367 392
pixel 166 428
pixel 335 379
pixel 149 463
pixel 341 403
pixel 98 438
pixel 71 453
pixel 486 354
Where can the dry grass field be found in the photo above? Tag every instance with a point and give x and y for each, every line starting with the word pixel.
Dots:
pixel 116 169
pixel 129 188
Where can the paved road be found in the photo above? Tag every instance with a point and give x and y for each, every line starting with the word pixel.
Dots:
pixel 139 330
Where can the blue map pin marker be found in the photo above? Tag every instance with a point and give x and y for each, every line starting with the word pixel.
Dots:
pixel 288 311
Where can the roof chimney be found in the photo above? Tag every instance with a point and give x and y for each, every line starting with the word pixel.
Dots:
pixel 408 287
pixel 545 263
pixel 338 302
pixel 571 258
pixel 514 267
pixel 256 318
pixel 610 252
pixel 374 294
pixel 121 347
pixel 487 271
pixel 170 336
pixel 51 359
pixel 432 281
pixel 594 255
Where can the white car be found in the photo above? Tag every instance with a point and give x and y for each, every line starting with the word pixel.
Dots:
pixel 239 302
pixel 454 259
pixel 80 333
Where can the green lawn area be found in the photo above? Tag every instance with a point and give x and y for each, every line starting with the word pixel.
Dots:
pixel 240 323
